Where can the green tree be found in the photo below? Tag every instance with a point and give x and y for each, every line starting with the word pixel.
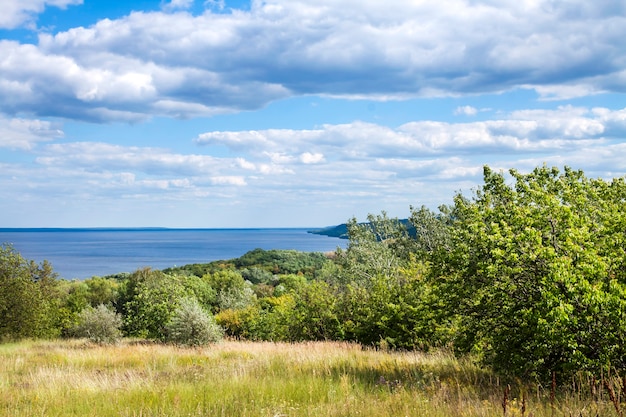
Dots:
pixel 73 299
pixel 281 262
pixel 102 291
pixel 232 291
pixel 200 289
pixel 536 272
pixel 257 275
pixel 149 299
pixel 432 230
pixel 379 247
pixel 394 311
pixel 313 315
pixel 28 295
pixel 225 280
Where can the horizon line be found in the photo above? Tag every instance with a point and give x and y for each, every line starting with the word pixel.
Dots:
pixel 147 228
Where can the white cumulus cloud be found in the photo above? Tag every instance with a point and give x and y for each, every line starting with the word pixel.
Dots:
pixel 466 110
pixel 16 13
pixel 177 4
pixel 16 133
pixel 311 158
pixel 183 65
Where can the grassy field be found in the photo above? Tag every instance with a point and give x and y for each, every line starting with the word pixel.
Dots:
pixel 74 378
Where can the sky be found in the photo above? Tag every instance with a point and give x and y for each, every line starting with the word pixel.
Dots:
pixel 295 113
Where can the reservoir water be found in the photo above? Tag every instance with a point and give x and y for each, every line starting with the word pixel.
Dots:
pixel 83 253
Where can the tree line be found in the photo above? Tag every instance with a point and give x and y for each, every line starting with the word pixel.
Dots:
pixel 527 275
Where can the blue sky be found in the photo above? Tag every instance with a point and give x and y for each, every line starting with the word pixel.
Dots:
pixel 295 113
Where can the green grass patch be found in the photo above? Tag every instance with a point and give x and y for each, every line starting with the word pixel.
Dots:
pixel 75 378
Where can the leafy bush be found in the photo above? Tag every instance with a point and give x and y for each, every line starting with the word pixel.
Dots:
pixel 100 325
pixel 191 325
pixel 392 312
pixel 148 299
pixel 236 298
pixel 102 291
pixel 314 314
pixel 536 273
pixel 240 324
pixel 28 297
pixel 257 275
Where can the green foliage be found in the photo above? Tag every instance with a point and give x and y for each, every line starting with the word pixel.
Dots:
pixel 259 265
pixel 191 325
pixel 257 275
pixel 149 299
pixel 200 289
pixel 100 325
pixel 274 318
pixel 28 297
pixel 432 231
pixel 232 292
pixel 267 319
pixel 313 315
pixel 198 270
pixel 225 280
pixel 291 282
pixel 73 298
pixel 383 296
pixel 235 298
pixel 308 312
pixel 379 247
pixel 282 261
pixel 536 272
pixel 393 311
pixel 102 291
pixel 239 324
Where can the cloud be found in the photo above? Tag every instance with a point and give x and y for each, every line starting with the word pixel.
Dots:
pixel 177 5
pixel 25 134
pixel 123 89
pixel 526 131
pixel 346 169
pixel 367 155
pixel 229 180
pixel 16 13
pixel 215 4
pixel 357 156
pixel 311 158
pixel 181 65
pixel 85 172
pixel 100 157
pixel 466 110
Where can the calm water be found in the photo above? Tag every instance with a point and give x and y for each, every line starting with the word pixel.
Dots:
pixel 82 253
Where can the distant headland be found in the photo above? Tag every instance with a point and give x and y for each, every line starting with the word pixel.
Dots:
pixel 341 230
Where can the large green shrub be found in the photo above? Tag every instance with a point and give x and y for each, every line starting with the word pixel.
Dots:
pixel 100 324
pixel 233 292
pixel 191 325
pixel 536 273
pixel 148 299
pixel 393 311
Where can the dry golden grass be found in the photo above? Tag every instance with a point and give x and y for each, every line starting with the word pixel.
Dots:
pixel 134 378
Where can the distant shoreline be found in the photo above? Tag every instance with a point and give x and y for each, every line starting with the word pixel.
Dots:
pixel 85 252
pixel 143 229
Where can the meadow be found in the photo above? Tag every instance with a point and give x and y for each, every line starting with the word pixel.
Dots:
pixel 233 378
